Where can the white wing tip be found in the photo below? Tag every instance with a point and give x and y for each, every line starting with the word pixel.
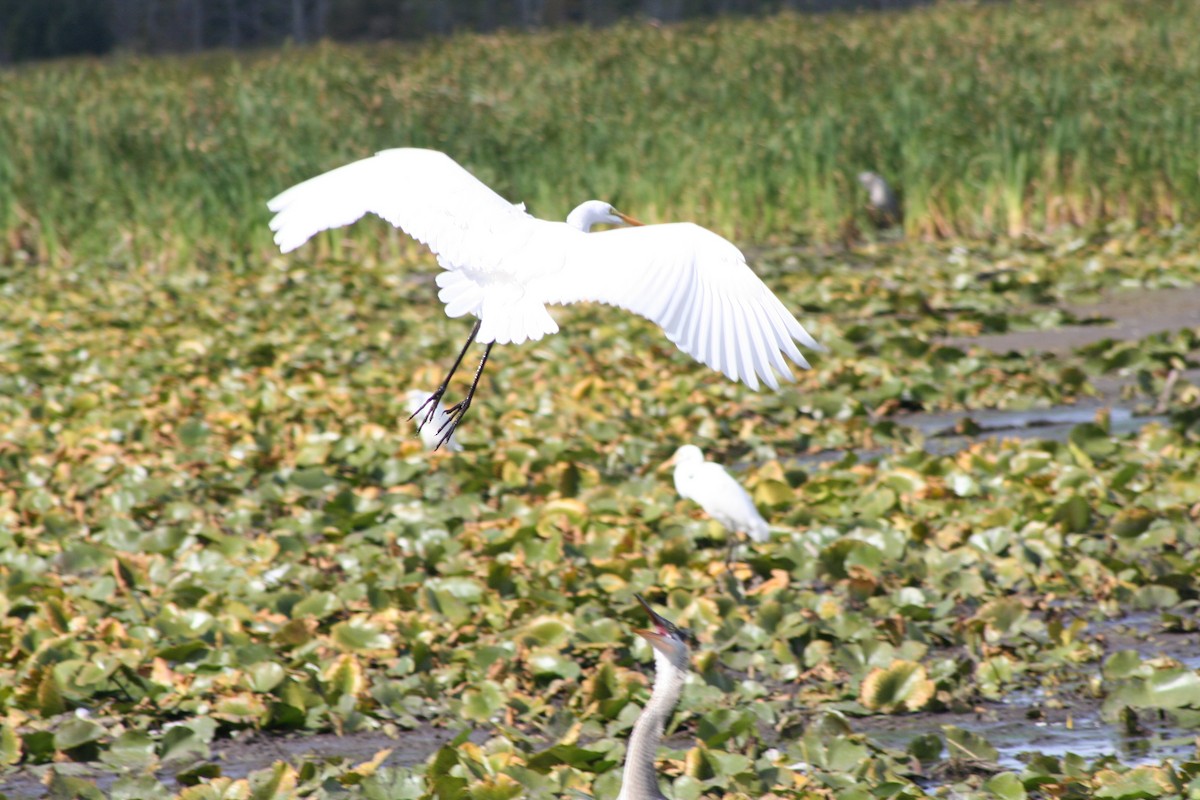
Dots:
pixel 288 243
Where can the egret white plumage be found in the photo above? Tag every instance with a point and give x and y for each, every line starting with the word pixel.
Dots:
pixel 639 781
pixel 719 494
pixel 505 266
pixel 415 399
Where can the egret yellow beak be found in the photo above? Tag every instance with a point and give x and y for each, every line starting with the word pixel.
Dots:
pixel 628 220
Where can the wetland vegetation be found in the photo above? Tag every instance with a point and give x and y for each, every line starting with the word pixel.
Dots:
pixel 217 530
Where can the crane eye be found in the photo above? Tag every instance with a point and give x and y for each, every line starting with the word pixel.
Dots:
pixel 682 634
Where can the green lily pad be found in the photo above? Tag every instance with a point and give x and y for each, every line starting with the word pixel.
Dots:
pixel 903 686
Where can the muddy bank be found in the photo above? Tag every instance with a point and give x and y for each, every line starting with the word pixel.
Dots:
pixel 238 757
pixel 943 437
pixel 1121 315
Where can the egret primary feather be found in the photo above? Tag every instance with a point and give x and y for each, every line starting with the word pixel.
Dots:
pixel 504 266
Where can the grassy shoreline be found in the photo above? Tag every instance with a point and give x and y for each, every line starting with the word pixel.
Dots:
pixel 996 119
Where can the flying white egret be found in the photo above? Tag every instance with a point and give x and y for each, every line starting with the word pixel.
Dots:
pixel 415 399
pixel 721 497
pixel 639 781
pixel 504 266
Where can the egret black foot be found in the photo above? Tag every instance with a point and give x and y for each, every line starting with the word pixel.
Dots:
pixel 454 415
pixel 432 403
pixel 456 412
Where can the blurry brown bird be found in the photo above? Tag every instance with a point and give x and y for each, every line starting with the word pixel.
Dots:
pixel 882 206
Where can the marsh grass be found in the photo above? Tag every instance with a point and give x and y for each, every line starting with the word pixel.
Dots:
pixel 991 119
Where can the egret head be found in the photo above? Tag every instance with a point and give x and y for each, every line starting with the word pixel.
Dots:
pixel 597 212
pixel 668 640
pixel 688 454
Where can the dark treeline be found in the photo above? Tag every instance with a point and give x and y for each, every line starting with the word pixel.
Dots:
pixel 33 29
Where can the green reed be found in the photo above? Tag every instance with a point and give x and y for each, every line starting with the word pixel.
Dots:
pixel 990 119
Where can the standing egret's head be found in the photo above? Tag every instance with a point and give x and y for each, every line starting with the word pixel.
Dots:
pixel 668 640
pixel 688 454
pixel 683 460
pixel 597 212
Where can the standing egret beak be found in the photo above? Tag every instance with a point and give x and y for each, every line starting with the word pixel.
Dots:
pixel 628 220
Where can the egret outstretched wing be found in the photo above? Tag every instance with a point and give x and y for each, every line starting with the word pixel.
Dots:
pixel 504 266
pixel 423 192
pixel 696 286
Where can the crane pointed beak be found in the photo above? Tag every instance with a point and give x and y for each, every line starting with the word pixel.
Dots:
pixel 653 637
pixel 661 626
pixel 628 220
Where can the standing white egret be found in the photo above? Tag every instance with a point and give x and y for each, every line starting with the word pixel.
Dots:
pixel 504 266
pixel 415 400
pixel 721 497
pixel 639 781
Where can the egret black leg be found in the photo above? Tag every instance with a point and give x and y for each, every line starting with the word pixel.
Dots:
pixel 457 411
pixel 731 579
pixel 731 552
pixel 434 398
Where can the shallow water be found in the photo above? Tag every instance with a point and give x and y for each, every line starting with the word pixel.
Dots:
pixel 1030 722
pixel 1017 738
pixel 1050 424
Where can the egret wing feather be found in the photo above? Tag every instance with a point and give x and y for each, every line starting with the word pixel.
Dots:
pixel 696 285
pixel 425 193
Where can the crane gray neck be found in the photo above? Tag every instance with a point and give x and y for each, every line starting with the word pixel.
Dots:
pixel 640 779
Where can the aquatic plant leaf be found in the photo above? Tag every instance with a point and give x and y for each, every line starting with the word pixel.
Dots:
pixel 10 745
pixel 77 731
pixel 360 634
pixel 1165 688
pixel 578 757
pixel 1074 514
pixel 1126 664
pixel 265 676
pixel 548 663
pixel 903 686
pixel 219 788
pixel 131 750
pixel 344 677
pixel 926 747
pixel 962 743
pixel 498 787
pixel 480 703
pixel 546 631
pixel 1136 784
pixel 63 787
pixel 1006 786
pixel 278 782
